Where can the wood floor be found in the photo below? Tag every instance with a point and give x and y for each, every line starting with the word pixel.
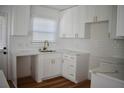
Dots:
pixel 58 82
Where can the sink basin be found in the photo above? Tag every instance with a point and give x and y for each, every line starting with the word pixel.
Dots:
pixel 47 50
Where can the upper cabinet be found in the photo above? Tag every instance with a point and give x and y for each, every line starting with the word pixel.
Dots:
pixel 120 21
pixel 104 12
pixel 66 24
pixel 20 20
pixel 78 24
pixel 117 23
pixel 99 13
pixel 90 14
pixel 72 22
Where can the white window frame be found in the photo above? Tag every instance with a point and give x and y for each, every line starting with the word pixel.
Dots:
pixel 40 41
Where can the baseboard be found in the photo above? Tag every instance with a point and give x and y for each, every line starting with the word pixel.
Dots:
pixel 14 84
pixel 45 78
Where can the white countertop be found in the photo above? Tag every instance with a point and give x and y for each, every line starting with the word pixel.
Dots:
pixel 109 73
pixel 3 81
pixel 73 52
pixel 29 52
pixel 26 52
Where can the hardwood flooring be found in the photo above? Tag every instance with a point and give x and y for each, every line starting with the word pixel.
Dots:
pixel 58 82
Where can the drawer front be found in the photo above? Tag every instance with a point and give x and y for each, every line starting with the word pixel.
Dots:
pixel 71 72
pixel 65 56
pixel 69 57
pixel 72 66
pixel 70 63
pixel 72 76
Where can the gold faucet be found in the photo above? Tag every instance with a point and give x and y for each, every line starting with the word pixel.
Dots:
pixel 46 44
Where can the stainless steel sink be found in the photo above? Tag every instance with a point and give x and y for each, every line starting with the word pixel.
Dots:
pixel 47 50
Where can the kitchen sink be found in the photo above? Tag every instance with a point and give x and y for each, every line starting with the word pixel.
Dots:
pixel 47 50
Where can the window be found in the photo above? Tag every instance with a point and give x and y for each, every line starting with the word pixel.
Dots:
pixel 44 29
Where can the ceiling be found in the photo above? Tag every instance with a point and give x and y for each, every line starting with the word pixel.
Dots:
pixel 59 7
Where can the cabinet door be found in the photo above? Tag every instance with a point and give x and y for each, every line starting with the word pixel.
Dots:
pixel 120 21
pixel 78 22
pixel 56 66
pixel 75 21
pixel 65 66
pixel 62 31
pixel 103 12
pixel 81 18
pixel 90 13
pixel 47 66
pixel 52 65
pixel 99 13
pixel 21 17
pixel 66 24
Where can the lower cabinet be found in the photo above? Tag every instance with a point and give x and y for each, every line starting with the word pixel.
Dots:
pixel 46 65
pixel 75 67
pixel 52 65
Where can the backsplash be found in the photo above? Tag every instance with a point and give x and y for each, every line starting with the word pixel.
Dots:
pixel 25 42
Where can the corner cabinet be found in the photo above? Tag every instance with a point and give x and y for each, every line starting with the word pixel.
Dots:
pixel 20 20
pixel 46 65
pixel 75 67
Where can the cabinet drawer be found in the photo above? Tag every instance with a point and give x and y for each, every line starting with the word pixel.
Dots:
pixel 69 57
pixel 70 63
pixel 71 76
pixel 65 56
pixel 72 66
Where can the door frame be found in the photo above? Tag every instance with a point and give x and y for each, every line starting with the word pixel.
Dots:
pixel 5 14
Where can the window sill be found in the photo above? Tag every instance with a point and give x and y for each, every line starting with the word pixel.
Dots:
pixel 42 42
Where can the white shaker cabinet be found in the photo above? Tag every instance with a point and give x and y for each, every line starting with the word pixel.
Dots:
pixel 75 67
pixel 120 21
pixel 66 24
pixel 90 14
pixel 79 18
pixel 104 12
pixel 72 22
pixel 99 13
pixel 116 31
pixel 46 65
pixel 52 65
pixel 20 20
